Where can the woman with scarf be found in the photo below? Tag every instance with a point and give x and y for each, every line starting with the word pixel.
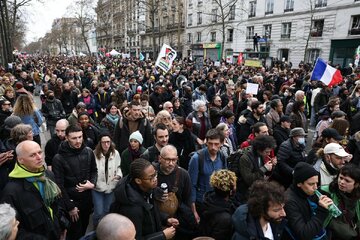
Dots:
pixel 133 152
pixel 345 192
pixel 111 118
pixel 108 164
pixel 90 131
pixel 89 101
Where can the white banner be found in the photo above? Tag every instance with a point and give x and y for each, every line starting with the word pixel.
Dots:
pixel 166 58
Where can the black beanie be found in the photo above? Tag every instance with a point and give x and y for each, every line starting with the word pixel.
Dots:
pixel 303 171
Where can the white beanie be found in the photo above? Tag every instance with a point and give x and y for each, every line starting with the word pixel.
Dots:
pixel 136 136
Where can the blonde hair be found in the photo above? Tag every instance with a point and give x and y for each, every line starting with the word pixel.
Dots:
pixel 159 118
pixel 224 180
pixel 24 106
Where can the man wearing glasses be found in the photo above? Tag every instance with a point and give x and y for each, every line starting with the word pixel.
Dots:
pixel 177 202
pixel 134 199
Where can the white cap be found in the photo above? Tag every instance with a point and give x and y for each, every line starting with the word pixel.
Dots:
pixel 336 149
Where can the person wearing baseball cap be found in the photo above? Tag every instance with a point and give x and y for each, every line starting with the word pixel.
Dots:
pixel 306 213
pixel 334 157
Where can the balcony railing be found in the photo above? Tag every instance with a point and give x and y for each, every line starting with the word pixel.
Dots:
pixel 285 36
pixel 269 12
pixel 288 9
pixel 354 31
pixel 175 26
pixel 319 5
pixel 316 33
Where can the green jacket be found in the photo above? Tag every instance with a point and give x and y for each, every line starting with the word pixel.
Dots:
pixel 126 160
pixel 335 199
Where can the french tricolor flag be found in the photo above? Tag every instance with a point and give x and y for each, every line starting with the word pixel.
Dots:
pixel 325 73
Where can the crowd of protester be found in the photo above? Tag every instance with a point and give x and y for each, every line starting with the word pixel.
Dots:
pixel 178 154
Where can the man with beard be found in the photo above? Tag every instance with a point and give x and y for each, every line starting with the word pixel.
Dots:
pixel 161 136
pixel 133 120
pixel 52 146
pixel 75 172
pixel 263 217
pixel 246 122
pixel 333 159
pixel 134 199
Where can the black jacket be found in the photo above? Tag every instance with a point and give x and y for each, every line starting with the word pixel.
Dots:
pixel 246 122
pixel 51 149
pixel 288 156
pixel 69 100
pixel 281 135
pixel 216 221
pixel 71 167
pixel 53 111
pixel 248 227
pixel 32 213
pixel 122 133
pixel 185 144
pixel 303 224
pixel 130 202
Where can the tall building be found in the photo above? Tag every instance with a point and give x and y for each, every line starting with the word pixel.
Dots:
pixel 290 30
pixel 165 23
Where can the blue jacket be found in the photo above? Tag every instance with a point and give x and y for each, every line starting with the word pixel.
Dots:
pixel 30 119
pixel 200 180
pixel 247 227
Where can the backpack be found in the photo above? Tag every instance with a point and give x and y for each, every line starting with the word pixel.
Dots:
pixel 234 159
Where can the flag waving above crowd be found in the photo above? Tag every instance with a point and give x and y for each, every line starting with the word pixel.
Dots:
pixel 166 58
pixel 325 73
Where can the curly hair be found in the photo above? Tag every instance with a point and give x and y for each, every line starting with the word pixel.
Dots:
pixel 262 142
pixel 261 194
pixel 161 117
pixel 223 181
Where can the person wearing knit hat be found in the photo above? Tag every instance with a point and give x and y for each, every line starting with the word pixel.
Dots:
pixel 305 211
pixel 134 150
pixel 136 136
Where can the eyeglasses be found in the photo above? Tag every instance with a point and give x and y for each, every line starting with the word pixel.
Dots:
pixel 169 160
pixel 170 107
pixel 151 178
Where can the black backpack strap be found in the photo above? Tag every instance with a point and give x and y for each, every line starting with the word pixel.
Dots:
pixel 201 160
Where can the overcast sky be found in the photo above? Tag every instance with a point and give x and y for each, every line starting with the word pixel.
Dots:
pixel 41 15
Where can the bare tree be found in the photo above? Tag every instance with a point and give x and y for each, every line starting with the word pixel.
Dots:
pixel 9 16
pixel 83 12
pixel 150 8
pixel 224 12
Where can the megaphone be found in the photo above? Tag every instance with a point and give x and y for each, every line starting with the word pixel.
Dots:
pixel 180 80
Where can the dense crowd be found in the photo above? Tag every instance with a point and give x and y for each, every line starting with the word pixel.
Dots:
pixel 179 154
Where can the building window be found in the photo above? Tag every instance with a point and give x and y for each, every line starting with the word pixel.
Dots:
pixel 200 2
pixel 232 12
pixel 230 35
pixel 189 37
pixel 320 3
pixel 198 34
pixel 252 9
pixel 284 54
pixel 317 27
pixel 289 6
pixel 285 30
pixel 312 55
pixel 190 3
pixel 267 31
pixel 213 37
pixel 214 15
pixel 199 18
pixel 190 20
pixel 355 25
pixel 269 7
pixel 250 32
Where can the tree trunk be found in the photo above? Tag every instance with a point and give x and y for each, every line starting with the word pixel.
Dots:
pixel 86 43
